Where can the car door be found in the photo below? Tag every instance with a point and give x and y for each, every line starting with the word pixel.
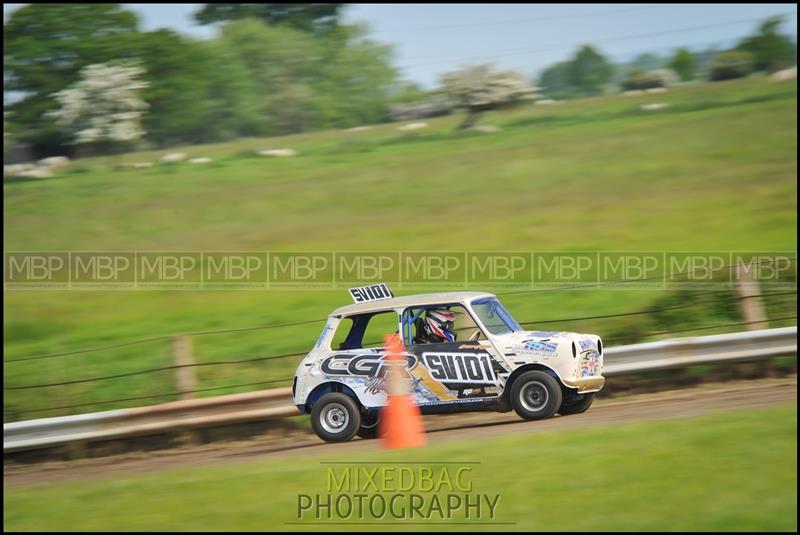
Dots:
pixel 451 371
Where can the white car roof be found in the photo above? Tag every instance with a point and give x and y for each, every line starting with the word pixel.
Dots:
pixel 408 300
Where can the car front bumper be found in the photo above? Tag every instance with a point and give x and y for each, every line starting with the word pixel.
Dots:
pixel 586 384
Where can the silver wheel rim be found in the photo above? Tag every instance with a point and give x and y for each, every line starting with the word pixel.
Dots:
pixel 334 418
pixel 534 396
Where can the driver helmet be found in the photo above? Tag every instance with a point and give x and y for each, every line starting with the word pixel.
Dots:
pixel 439 324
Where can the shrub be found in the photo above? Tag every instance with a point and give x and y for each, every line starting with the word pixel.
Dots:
pixel 434 106
pixel 731 64
pixel 638 79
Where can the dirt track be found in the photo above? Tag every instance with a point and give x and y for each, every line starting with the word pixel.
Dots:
pixel 662 406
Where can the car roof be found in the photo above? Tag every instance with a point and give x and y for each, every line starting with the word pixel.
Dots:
pixel 408 300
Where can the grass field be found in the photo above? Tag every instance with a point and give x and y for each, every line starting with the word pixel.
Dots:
pixel 725 471
pixel 715 171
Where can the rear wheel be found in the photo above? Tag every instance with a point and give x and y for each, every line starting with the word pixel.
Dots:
pixel 577 404
pixel 368 427
pixel 335 417
pixel 535 395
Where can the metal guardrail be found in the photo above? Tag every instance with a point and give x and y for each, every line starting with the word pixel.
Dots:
pixel 172 416
pixel 690 351
pixel 277 403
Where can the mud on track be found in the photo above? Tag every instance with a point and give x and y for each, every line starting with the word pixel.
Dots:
pixel 675 404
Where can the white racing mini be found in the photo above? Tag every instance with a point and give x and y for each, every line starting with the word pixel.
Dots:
pixel 464 352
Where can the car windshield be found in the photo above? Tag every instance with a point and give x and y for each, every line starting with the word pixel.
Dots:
pixel 494 317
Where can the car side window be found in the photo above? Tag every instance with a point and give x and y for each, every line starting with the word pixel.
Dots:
pixel 341 333
pixel 464 326
pixel 364 330
pixel 379 326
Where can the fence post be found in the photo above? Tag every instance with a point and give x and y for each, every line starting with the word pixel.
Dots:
pixel 750 305
pixel 185 379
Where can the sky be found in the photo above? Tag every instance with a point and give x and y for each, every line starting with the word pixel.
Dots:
pixel 429 39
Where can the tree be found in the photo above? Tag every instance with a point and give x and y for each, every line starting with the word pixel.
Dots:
pixel 479 88
pixel 555 81
pixel 104 106
pixel 589 71
pixel 771 51
pixel 683 63
pixel 178 93
pixel 232 97
pixel 355 78
pixel 272 59
pixel 298 81
pixel 731 64
pixel 304 17
pixel 46 46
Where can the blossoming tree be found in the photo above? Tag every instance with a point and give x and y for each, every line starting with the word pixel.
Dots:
pixel 480 88
pixel 103 105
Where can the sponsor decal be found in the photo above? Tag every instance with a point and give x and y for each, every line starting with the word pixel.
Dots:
pixel 374 385
pixel 587 343
pixel 542 348
pixel 539 346
pixel 434 376
pixel 364 365
pixel 590 362
pixel 460 368
pixel 374 292
pixel 422 395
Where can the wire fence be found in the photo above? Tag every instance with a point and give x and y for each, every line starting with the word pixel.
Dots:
pixel 156 396
pixel 288 380
pixel 162 337
pixel 165 337
pixel 304 352
pixel 775 295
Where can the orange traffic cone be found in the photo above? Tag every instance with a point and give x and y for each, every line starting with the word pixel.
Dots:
pixel 400 425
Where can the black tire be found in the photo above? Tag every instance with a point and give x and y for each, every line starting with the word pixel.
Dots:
pixel 535 395
pixel 576 405
pixel 369 427
pixel 335 417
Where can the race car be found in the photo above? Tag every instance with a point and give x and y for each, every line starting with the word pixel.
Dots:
pixel 463 350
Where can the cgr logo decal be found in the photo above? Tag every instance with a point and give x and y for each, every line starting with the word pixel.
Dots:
pixel 365 365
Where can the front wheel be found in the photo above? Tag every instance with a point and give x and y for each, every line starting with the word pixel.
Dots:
pixel 335 417
pixel 535 395
pixel 577 404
